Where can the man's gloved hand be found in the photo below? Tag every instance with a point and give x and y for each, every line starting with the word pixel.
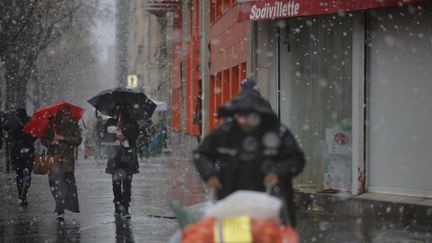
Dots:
pixel 214 182
pixel 271 179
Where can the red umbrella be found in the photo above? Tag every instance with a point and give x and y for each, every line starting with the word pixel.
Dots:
pixel 41 117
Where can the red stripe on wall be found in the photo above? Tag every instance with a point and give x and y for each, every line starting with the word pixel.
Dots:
pixel 176 72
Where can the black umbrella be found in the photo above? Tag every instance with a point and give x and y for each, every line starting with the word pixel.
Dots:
pixel 133 101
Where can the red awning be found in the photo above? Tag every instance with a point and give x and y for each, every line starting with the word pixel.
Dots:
pixel 280 9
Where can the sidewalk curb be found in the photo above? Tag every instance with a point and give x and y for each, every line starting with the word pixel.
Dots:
pixel 408 210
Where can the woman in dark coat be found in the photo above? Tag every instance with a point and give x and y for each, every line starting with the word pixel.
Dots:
pixel 122 158
pixel 62 137
pixel 22 150
pixel 250 150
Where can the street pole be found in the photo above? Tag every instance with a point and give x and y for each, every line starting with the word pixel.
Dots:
pixel 204 63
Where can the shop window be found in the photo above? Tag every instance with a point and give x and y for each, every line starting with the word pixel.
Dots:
pixel 218 94
pixel 188 89
pixel 212 105
pixel 226 92
pixel 316 96
pixel 235 81
pixel 242 71
pixel 219 6
pixel 226 5
pixel 212 11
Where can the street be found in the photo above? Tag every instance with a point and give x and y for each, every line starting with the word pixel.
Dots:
pixel 151 221
pixel 161 180
pixel 326 104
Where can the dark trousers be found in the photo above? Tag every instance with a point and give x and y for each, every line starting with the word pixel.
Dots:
pixel 22 162
pixel 98 151
pixel 122 186
pixel 64 190
pixel 23 180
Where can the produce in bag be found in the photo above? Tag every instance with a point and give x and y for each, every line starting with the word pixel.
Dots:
pixel 257 205
pixel 261 231
pixel 249 216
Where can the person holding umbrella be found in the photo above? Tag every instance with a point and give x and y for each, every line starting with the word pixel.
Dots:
pixel 122 158
pixel 125 107
pixel 57 127
pixel 22 150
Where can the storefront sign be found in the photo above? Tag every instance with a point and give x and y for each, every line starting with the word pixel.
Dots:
pixel 273 9
pixel 132 81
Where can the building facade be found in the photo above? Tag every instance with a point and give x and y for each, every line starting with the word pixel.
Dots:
pixel 350 80
pixel 214 61
pixel 122 13
pixel 148 52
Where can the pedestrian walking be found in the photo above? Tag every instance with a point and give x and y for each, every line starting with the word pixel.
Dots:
pixel 251 150
pixel 122 158
pixel 22 150
pixel 125 107
pixel 62 137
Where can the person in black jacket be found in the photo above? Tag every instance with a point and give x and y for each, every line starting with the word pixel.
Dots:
pixel 22 150
pixel 251 150
pixel 122 158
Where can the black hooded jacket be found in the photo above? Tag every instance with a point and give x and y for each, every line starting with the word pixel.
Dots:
pixel 22 147
pixel 241 160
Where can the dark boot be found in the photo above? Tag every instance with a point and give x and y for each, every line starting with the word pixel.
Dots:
pixel 117 210
pixel 125 213
pixel 24 201
pixel 60 216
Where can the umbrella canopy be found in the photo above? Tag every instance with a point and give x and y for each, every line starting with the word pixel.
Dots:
pixel 160 105
pixel 41 117
pixel 133 101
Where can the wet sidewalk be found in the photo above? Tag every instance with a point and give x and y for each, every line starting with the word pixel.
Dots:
pixel 161 180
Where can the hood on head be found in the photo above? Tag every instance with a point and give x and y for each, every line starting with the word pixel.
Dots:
pixel 248 100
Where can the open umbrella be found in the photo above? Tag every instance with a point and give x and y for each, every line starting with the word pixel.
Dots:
pixel 135 102
pixel 41 117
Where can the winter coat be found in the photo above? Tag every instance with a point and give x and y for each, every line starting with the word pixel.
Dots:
pixel 22 148
pixel 130 130
pixel 241 160
pixel 67 147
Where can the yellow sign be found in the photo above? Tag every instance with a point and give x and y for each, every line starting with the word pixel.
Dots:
pixel 132 81
pixel 230 230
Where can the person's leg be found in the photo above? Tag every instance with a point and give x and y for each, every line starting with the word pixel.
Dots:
pixel 117 191
pixel 97 151
pixel 57 185
pixel 27 171
pixel 126 197
pixel 26 185
pixel 19 181
pixel 71 193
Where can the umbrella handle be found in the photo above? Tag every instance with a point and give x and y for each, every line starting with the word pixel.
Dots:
pixel 85 126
